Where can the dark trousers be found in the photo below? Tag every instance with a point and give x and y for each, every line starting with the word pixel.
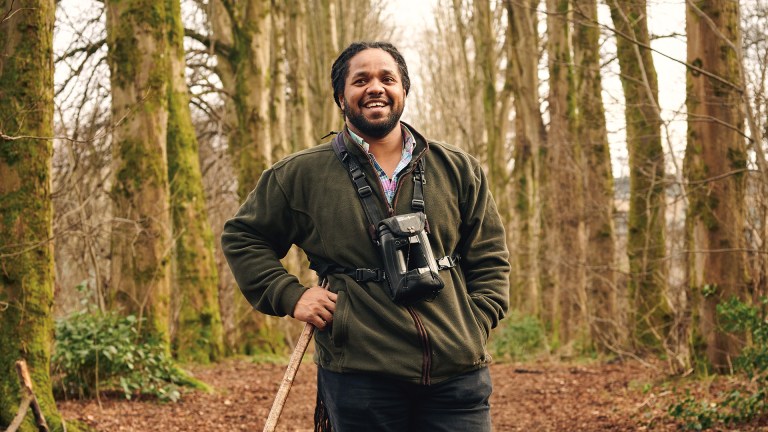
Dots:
pixel 365 402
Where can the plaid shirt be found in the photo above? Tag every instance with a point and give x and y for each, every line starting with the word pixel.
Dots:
pixel 390 185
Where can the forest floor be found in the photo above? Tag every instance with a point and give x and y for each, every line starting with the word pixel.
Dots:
pixel 531 397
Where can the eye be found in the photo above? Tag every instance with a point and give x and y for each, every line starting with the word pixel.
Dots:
pixel 359 81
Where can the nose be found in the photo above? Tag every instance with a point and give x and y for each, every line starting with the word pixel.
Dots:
pixel 375 87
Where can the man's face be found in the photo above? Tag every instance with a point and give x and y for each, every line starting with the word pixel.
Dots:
pixel 374 96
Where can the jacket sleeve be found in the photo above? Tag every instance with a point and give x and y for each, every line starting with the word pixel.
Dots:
pixel 483 249
pixel 254 241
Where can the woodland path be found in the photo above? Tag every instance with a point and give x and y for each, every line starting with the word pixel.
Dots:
pixel 531 397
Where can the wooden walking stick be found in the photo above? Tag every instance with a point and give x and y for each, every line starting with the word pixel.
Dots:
pixel 290 373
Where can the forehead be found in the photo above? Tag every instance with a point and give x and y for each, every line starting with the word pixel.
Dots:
pixel 372 60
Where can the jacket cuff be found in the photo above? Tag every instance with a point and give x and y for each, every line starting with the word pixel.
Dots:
pixel 289 298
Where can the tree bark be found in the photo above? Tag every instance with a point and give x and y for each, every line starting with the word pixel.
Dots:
pixel 602 310
pixel 26 211
pixel 530 136
pixel 141 236
pixel 645 245
pixel 198 334
pixel 716 169
pixel 564 223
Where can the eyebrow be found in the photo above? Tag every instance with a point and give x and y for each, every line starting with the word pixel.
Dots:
pixel 365 72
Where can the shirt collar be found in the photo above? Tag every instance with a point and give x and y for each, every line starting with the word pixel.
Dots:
pixel 408 140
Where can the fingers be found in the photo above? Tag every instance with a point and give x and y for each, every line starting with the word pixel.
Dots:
pixel 316 306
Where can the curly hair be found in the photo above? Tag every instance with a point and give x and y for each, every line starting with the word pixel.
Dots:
pixel 340 68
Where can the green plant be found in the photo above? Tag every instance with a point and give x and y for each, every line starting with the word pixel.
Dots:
pixel 103 351
pixel 521 337
pixel 749 400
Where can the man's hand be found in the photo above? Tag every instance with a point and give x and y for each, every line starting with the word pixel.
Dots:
pixel 316 306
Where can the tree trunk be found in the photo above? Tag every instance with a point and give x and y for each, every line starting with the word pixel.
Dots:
pixel 198 333
pixel 645 244
pixel 565 227
pixel 298 65
pixel 26 251
pixel 716 169
pixel 591 133
pixel 141 236
pixel 530 136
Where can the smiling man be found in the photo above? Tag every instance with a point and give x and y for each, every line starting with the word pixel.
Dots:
pixel 406 235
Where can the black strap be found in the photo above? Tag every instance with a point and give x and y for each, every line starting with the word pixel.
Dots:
pixel 364 191
pixel 324 268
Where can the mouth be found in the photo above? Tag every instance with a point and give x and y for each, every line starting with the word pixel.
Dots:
pixel 375 104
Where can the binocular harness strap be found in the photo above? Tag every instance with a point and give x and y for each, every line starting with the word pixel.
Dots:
pixel 373 213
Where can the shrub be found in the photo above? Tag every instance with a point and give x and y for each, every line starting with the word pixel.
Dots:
pixel 521 337
pixel 750 400
pixel 104 351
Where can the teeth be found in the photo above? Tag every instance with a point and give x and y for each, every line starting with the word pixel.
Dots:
pixel 375 104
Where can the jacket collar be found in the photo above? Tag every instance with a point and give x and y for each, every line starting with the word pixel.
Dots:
pixel 421 147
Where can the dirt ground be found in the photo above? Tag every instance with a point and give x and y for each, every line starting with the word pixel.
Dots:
pixel 531 397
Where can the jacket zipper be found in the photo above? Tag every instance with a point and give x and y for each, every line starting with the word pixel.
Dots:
pixel 426 361
pixel 426 353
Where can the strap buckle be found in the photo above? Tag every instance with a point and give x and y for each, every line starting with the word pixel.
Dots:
pixel 365 275
pixel 447 262
pixel 364 191
pixel 417 204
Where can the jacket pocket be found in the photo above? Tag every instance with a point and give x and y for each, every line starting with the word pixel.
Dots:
pixel 340 320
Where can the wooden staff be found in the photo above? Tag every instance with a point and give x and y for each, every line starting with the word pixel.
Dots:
pixel 290 374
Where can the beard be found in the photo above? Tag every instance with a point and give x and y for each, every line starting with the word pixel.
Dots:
pixel 377 129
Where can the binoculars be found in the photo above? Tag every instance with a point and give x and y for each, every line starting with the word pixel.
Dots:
pixel 410 266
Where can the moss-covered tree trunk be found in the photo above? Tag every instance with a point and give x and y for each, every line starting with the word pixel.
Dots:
pixel 645 245
pixel 530 137
pixel 324 47
pixel 495 103
pixel 26 211
pixel 141 234
pixel 198 334
pixel 244 27
pixel 298 65
pixel 565 226
pixel 716 169
pixel 591 133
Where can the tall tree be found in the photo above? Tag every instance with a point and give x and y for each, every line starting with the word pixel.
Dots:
pixel 591 133
pixel 645 244
pixel 298 76
pixel 198 334
pixel 530 136
pixel 26 252
pixel 243 28
pixel 716 168
pixel 141 236
pixel 564 218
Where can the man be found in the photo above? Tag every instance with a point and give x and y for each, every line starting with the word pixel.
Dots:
pixel 383 363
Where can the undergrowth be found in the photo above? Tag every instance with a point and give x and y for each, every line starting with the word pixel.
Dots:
pixel 749 400
pixel 99 352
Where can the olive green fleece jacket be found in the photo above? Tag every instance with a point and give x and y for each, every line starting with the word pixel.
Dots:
pixel 307 199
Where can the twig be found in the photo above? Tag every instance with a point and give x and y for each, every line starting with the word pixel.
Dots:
pixel 26 381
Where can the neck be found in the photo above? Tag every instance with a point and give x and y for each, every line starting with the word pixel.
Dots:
pixel 391 142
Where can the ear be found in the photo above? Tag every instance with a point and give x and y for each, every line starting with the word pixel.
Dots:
pixel 341 102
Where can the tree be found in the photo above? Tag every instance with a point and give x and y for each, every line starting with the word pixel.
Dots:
pixel 141 235
pixel 591 133
pixel 564 210
pixel 715 165
pixel 530 137
pixel 199 334
pixel 645 244
pixel 26 251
